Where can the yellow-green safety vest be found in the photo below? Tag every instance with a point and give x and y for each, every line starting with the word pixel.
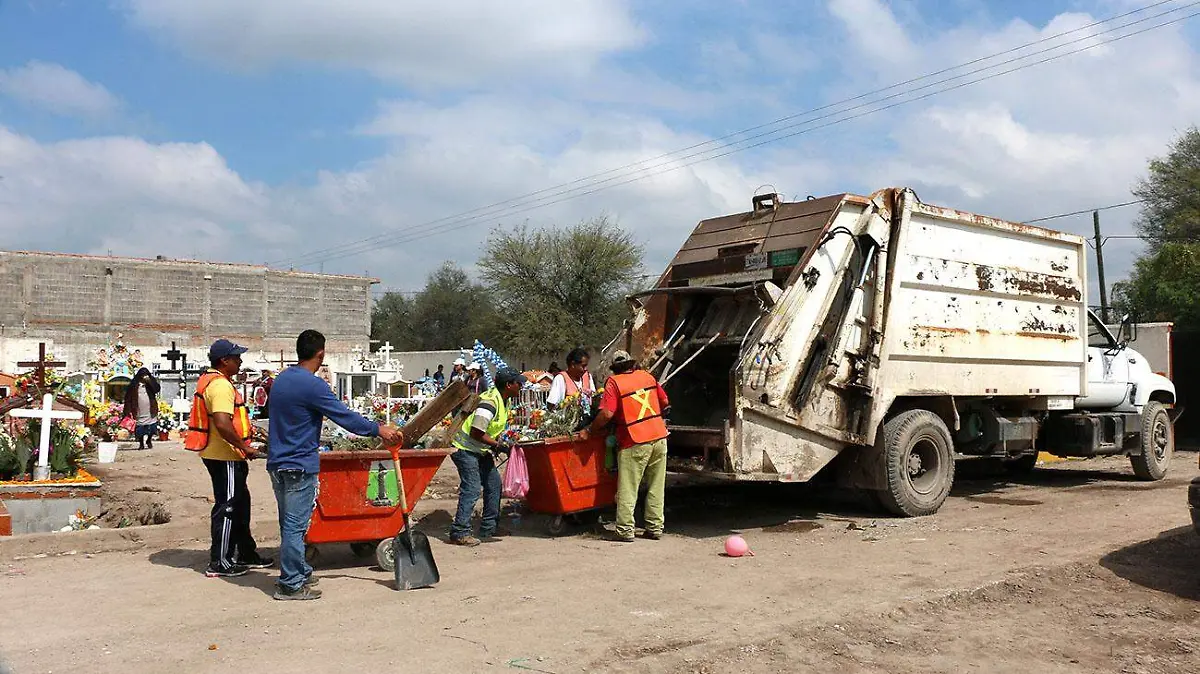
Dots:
pixel 499 422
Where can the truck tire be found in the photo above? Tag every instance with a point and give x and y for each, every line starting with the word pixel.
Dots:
pixel 1158 443
pixel 918 454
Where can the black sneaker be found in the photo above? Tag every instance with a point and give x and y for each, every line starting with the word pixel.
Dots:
pixel 256 562
pixel 312 581
pixel 302 593
pixel 230 572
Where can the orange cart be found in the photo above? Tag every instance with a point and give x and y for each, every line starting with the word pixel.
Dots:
pixel 567 476
pixel 359 502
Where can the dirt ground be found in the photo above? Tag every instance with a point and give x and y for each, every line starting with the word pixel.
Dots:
pixel 1075 568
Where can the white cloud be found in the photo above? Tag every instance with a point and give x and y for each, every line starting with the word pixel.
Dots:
pixel 58 90
pixel 424 42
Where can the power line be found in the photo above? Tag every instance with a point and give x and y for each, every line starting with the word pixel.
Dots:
pixel 1085 211
pixel 467 222
pixel 523 204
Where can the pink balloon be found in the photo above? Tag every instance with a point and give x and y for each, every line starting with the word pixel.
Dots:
pixel 736 546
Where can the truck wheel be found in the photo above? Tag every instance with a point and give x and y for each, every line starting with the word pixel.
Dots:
pixel 1158 443
pixel 919 463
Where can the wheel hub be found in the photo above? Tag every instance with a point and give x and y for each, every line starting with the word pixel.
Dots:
pixel 1160 440
pixel 915 466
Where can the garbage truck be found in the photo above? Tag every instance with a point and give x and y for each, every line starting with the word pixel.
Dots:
pixel 879 339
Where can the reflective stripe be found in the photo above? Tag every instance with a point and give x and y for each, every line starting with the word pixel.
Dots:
pixel 497 426
pixel 196 438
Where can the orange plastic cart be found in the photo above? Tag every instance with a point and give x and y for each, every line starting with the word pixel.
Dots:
pixel 567 476
pixel 359 502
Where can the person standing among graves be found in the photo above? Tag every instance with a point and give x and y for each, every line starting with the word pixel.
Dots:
pixel 439 377
pixel 478 441
pixel 635 400
pixel 575 380
pixel 141 403
pixel 299 403
pixel 217 405
pixel 459 371
pixel 475 380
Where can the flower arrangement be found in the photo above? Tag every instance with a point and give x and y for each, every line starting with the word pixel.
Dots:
pixel 19 449
pixel 166 418
pixel 377 408
pixel 106 418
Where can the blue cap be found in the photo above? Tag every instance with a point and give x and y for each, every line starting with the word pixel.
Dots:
pixel 223 348
pixel 507 375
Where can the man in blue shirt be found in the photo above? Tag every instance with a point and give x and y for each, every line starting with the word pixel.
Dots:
pixel 299 402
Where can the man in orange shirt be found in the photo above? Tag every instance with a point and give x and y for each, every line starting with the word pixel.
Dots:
pixel 635 400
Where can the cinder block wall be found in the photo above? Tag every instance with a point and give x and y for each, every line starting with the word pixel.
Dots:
pixel 80 303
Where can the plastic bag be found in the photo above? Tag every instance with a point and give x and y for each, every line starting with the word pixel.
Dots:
pixel 516 475
pixel 128 424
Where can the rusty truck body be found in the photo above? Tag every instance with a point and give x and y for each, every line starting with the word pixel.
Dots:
pixel 881 338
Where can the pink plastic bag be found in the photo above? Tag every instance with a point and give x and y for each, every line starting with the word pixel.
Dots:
pixel 516 475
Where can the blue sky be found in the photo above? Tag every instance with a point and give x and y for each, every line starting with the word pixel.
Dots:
pixel 265 130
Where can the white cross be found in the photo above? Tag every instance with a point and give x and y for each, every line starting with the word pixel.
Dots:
pixel 47 414
pixel 386 350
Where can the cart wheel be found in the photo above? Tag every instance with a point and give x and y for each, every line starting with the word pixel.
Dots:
pixel 311 553
pixel 385 555
pixel 557 526
pixel 362 549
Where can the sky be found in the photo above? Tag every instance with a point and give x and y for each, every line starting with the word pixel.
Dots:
pixel 378 137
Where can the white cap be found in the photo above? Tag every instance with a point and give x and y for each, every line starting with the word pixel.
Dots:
pixel 474 366
pixel 459 361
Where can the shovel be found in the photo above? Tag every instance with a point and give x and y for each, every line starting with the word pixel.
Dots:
pixel 415 567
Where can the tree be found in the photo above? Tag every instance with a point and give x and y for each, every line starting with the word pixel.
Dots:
pixel 1165 282
pixel 1171 193
pixel 450 312
pixel 561 287
pixel 1164 286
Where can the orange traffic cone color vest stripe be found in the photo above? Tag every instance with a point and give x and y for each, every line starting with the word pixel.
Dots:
pixel 641 412
pixel 199 422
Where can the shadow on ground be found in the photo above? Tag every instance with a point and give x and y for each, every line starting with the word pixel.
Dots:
pixel 1166 563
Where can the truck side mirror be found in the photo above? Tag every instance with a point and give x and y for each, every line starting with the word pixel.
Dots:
pixel 1128 330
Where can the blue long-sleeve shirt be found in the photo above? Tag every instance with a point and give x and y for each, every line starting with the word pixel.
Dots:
pixel 299 402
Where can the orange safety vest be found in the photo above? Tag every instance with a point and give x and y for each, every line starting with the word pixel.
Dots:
pixel 641 413
pixel 199 423
pixel 571 389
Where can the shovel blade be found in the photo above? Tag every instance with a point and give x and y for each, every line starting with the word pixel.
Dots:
pixel 415 567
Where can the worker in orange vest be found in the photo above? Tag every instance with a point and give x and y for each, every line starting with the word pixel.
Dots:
pixel 575 380
pixel 219 429
pixel 637 403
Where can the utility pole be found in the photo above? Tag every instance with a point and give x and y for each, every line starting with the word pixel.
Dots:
pixel 1100 268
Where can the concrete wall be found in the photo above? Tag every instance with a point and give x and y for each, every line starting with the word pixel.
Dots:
pixel 78 304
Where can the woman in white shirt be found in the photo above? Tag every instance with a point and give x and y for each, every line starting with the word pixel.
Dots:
pixel 574 380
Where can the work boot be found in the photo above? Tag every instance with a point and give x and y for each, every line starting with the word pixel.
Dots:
pixel 617 538
pixel 312 581
pixel 232 572
pixel 652 535
pixel 302 593
pixel 149 443
pixel 465 541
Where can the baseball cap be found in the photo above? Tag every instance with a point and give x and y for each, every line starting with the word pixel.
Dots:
pixel 459 361
pixel 620 357
pixel 223 347
pixel 507 375
pixel 474 366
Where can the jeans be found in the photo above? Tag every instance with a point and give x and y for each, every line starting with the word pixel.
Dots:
pixel 477 474
pixel 295 494
pixel 648 461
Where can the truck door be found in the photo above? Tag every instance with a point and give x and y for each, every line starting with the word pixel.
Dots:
pixel 1107 368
